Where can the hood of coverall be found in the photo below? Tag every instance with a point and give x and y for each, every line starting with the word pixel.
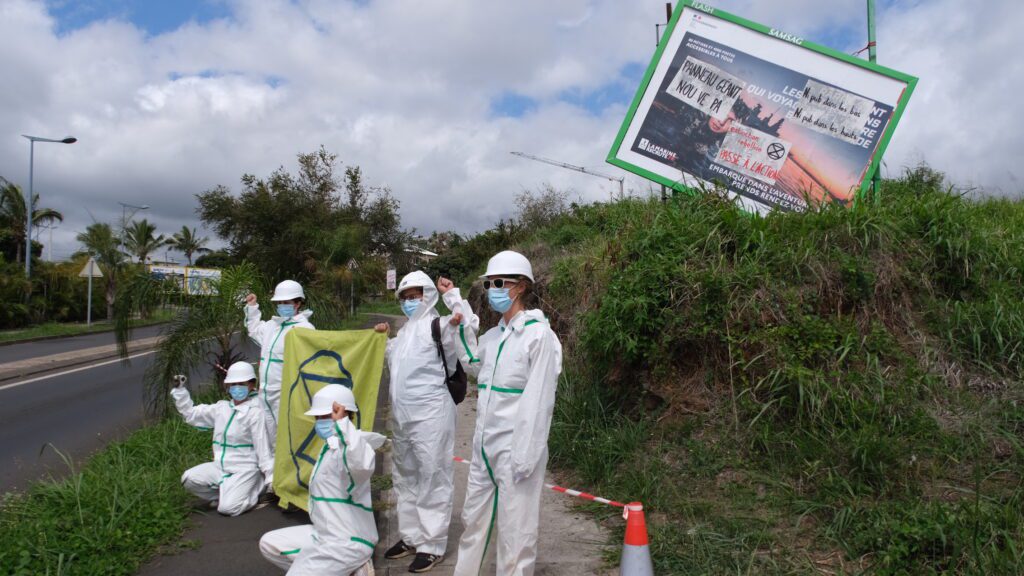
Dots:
pixel 419 279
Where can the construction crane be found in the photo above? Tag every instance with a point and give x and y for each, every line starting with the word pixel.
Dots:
pixel 573 167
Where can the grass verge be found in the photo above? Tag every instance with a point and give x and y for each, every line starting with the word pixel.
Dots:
pixel 831 392
pixel 58 329
pixel 110 516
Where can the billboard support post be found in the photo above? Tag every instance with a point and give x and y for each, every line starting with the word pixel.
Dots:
pixel 668 18
pixel 876 180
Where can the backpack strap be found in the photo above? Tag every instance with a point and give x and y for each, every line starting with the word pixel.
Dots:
pixel 435 333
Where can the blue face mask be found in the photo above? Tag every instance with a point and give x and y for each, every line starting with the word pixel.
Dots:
pixel 499 299
pixel 410 306
pixel 286 310
pixel 324 428
pixel 238 392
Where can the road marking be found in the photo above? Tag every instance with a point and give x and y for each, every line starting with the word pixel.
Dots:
pixel 73 370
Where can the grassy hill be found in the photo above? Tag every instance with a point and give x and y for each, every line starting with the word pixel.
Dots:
pixel 831 392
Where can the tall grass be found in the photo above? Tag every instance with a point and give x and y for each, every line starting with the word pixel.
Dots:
pixel 108 517
pixel 836 390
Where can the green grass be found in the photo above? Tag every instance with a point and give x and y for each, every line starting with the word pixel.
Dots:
pixel 110 516
pixel 388 305
pixel 55 329
pixel 838 390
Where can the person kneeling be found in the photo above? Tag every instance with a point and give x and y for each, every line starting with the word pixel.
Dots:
pixel 242 466
pixel 343 534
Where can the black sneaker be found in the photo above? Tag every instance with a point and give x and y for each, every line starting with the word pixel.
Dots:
pixel 424 562
pixel 400 550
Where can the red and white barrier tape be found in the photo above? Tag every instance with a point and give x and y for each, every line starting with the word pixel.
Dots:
pixel 569 491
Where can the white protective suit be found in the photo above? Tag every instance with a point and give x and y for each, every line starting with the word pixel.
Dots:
pixel 269 334
pixel 243 464
pixel 343 534
pixel 517 371
pixel 423 416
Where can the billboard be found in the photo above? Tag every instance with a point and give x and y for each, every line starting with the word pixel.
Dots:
pixel 189 280
pixel 777 121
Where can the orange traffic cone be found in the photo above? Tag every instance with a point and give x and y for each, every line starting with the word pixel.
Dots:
pixel 636 555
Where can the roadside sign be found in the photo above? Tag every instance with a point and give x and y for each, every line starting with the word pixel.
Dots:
pixel 392 276
pixel 91 270
pixel 776 121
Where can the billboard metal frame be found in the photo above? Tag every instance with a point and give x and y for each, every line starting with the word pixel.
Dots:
pixel 779 36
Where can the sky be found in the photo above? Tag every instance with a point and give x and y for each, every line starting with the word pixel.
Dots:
pixel 169 99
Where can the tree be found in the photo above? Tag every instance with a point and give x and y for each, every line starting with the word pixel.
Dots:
pixel 216 259
pixel 188 243
pixel 101 243
pixel 276 222
pixel 204 332
pixel 140 241
pixel 299 226
pixel 206 328
pixel 13 212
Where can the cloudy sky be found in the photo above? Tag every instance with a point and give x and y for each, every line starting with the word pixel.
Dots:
pixel 169 99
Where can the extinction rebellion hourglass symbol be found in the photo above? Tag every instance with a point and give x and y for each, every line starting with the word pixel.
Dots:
pixel 776 151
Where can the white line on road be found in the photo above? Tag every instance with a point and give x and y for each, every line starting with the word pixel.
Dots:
pixel 73 370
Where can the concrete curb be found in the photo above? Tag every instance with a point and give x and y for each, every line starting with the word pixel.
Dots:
pixel 31 366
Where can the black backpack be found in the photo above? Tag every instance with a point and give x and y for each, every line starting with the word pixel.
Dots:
pixel 456 382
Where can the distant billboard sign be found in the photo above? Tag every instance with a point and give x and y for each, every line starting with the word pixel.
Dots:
pixel 202 281
pixel 193 281
pixel 777 121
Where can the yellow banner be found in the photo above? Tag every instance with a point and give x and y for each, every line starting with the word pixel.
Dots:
pixel 313 359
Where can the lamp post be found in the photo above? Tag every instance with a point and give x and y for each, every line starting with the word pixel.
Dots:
pixel 29 208
pixel 124 217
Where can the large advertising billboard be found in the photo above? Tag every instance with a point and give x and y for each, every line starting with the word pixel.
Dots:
pixel 777 121
pixel 189 280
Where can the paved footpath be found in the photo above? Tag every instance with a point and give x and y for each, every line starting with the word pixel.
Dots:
pixel 571 543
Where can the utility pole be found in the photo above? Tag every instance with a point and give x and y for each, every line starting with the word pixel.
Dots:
pixel 573 167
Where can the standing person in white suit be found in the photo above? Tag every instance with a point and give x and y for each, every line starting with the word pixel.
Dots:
pixel 269 334
pixel 423 415
pixel 341 539
pixel 517 364
pixel 243 465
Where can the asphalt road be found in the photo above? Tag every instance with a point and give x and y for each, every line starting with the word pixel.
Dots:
pixel 78 410
pixel 12 352
pixel 77 413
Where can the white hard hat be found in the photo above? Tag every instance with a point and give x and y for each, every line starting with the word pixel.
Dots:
pixel 509 263
pixel 323 401
pixel 417 279
pixel 288 290
pixel 240 372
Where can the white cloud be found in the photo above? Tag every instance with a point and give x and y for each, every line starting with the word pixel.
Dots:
pixel 405 89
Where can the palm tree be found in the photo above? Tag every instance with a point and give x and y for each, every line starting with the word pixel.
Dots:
pixel 203 332
pixel 13 211
pixel 101 243
pixel 188 243
pixel 205 328
pixel 140 241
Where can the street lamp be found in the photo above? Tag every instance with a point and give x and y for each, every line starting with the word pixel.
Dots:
pixel 124 216
pixel 31 194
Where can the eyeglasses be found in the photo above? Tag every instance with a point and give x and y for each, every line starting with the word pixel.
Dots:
pixel 498 283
